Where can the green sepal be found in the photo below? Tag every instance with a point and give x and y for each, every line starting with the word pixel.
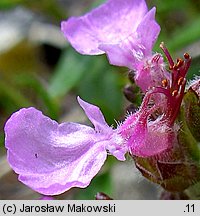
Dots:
pixel 191 109
pixel 174 175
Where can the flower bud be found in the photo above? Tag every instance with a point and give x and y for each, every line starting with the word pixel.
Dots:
pixel 129 93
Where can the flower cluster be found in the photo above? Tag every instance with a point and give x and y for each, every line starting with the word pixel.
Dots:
pixel 52 158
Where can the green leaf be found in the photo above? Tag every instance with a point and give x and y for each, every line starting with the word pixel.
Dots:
pixel 51 8
pixel 194 68
pixel 2 138
pixel 102 86
pixel 30 81
pixel 189 119
pixel 14 95
pixel 5 4
pixel 194 191
pixel 68 73
pixel 192 113
pixel 168 6
pixel 185 35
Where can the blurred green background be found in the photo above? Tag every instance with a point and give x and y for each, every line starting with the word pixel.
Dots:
pixel 39 68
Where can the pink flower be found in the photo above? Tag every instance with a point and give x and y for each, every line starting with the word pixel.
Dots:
pixel 150 72
pixel 52 158
pixel 126 31
pixel 147 136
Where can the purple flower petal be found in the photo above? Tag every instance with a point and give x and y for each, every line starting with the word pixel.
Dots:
pixel 115 144
pixel 121 54
pixel 151 73
pixel 51 158
pixel 137 46
pixel 95 116
pixel 148 31
pixel 110 23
